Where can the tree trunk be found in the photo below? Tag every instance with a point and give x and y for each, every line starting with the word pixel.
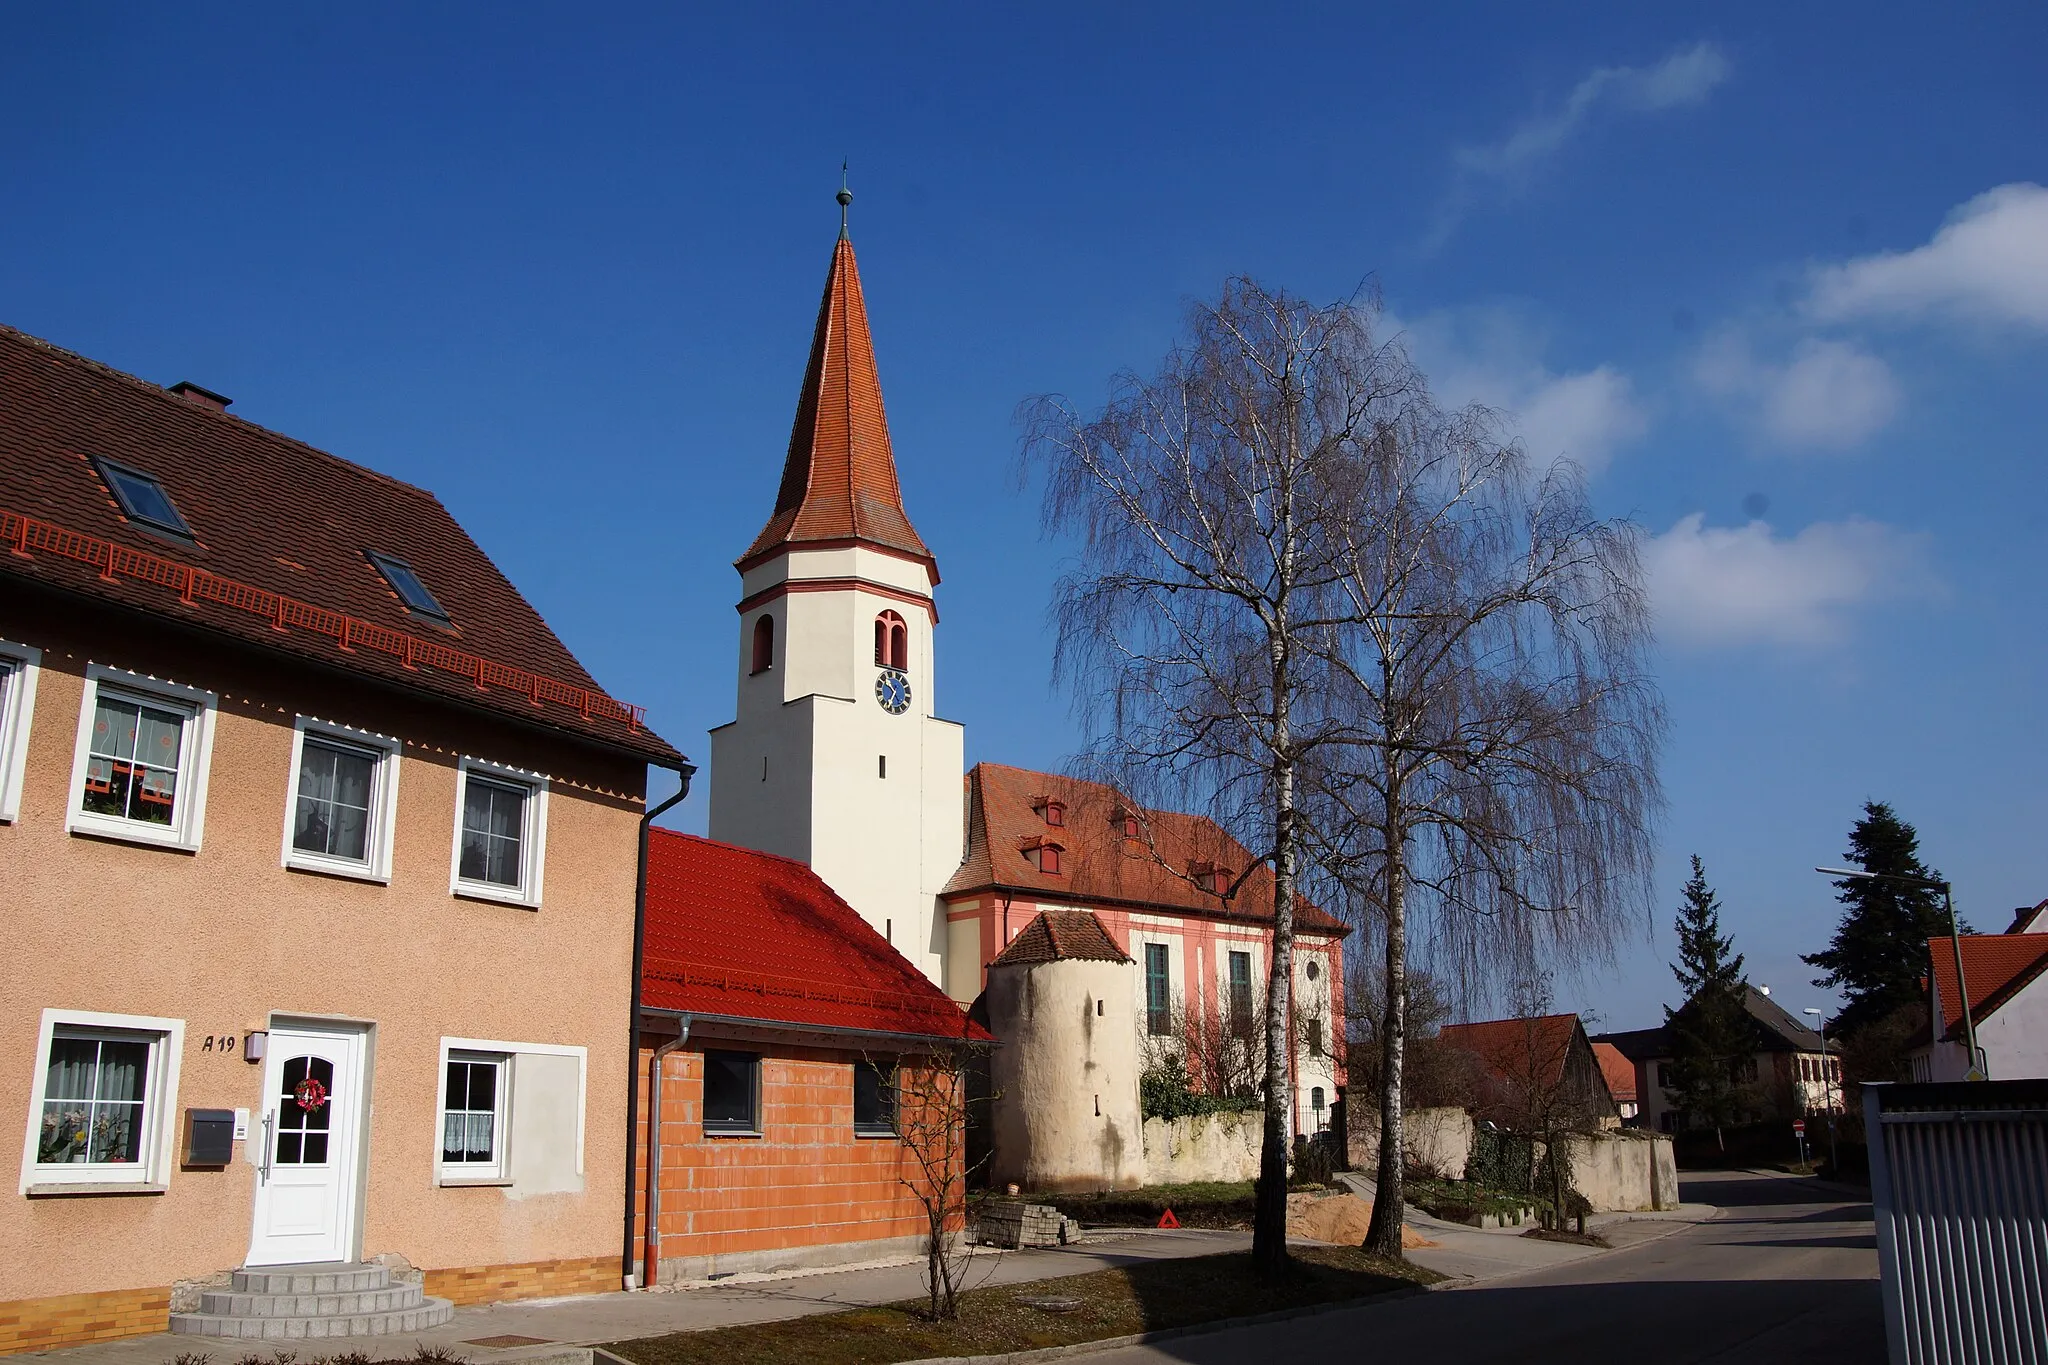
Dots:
pixel 1269 1214
pixel 1383 1234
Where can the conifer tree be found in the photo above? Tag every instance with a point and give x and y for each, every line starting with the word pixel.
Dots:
pixel 1710 1032
pixel 1879 951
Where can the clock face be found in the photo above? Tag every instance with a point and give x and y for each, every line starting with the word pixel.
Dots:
pixel 892 690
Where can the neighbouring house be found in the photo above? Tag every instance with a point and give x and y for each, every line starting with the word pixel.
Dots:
pixel 1534 1074
pixel 1786 1068
pixel 300 801
pixel 837 757
pixel 787 1058
pixel 2007 976
pixel 1620 1074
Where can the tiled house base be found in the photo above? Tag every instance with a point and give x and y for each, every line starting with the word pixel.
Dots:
pixel 532 1280
pixel 75 1319
pixel 678 1269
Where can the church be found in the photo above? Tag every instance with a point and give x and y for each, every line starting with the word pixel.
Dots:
pixel 864 900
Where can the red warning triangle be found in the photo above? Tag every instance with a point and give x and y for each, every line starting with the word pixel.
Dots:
pixel 1167 1220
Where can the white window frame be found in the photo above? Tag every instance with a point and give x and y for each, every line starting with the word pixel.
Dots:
pixel 498 1170
pixel 150 1174
pixel 17 714
pixel 453 1049
pixel 533 838
pixel 376 864
pixel 195 758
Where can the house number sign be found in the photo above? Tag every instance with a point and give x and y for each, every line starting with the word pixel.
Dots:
pixel 219 1042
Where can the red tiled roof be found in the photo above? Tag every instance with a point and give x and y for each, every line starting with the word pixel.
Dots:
pixel 1996 966
pixel 1004 819
pixel 1513 1049
pixel 1061 936
pixel 2030 919
pixel 839 480
pixel 747 935
pixel 1618 1071
pixel 274 515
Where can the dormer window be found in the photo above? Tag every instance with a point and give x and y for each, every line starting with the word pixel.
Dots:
pixel 1209 877
pixel 1054 813
pixel 892 642
pixel 764 644
pixel 142 498
pixel 1219 881
pixel 411 591
pixel 1133 830
pixel 1044 855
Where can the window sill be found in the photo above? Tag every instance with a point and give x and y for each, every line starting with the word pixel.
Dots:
pixel 479 891
pixel 347 871
pixel 876 1135
pixel 131 832
pixel 463 1182
pixel 712 1133
pixel 59 1188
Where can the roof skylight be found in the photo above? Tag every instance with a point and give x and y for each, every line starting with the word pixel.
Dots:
pixel 407 585
pixel 142 498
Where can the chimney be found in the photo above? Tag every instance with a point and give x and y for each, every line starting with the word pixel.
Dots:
pixel 205 398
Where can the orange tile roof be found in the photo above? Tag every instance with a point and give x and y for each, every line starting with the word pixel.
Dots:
pixel 1005 818
pixel 839 480
pixel 1996 966
pixel 1061 936
pixel 1512 1048
pixel 1619 1072
pixel 747 935
pixel 277 556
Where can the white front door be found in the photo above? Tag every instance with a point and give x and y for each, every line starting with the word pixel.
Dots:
pixel 308 1148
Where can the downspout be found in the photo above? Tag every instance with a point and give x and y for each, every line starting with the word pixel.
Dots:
pixel 652 1261
pixel 685 772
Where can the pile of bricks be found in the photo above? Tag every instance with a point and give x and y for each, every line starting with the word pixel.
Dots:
pixel 1013 1225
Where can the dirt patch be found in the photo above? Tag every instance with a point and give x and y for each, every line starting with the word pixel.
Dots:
pixel 1341 1219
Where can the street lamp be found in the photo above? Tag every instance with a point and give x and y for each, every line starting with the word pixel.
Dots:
pixel 1955 939
pixel 1827 1086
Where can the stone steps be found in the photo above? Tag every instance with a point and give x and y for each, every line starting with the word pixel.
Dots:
pixel 312 1302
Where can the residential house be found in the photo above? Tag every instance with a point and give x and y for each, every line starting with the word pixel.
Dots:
pixel 301 802
pixel 1786 1070
pixel 2007 976
pixel 1620 1074
pixel 1535 1073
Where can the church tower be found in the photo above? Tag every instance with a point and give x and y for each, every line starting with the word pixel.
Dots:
pixel 835 756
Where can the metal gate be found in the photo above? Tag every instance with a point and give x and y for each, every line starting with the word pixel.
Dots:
pixel 1959 1184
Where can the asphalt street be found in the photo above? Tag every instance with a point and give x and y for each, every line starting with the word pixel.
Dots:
pixel 1787 1272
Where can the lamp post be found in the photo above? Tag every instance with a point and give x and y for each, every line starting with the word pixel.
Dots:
pixel 1827 1087
pixel 1955 940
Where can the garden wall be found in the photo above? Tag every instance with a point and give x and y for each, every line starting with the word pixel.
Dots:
pixel 1626 1172
pixel 1223 1147
pixel 1438 1140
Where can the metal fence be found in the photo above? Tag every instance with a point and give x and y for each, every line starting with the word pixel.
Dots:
pixel 1959 1181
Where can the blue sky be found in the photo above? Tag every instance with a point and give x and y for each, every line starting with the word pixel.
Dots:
pixel 1779 278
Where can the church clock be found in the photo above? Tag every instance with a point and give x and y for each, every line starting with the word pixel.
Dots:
pixel 892 690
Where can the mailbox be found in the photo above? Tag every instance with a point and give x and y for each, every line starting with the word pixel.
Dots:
pixel 209 1137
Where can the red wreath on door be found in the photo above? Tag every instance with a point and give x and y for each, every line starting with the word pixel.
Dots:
pixel 310 1094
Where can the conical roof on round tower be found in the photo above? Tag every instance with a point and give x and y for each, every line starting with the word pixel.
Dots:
pixel 839 481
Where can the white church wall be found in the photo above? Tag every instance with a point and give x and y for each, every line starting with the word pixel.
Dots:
pixel 760 780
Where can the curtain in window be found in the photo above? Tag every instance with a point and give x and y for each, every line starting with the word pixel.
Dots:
pixel 493 818
pixel 92 1101
pixel 334 800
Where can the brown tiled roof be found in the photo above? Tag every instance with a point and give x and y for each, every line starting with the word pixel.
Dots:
pixel 1005 817
pixel 1996 966
pixel 1618 1071
pixel 839 480
pixel 1060 936
pixel 1517 1050
pixel 274 521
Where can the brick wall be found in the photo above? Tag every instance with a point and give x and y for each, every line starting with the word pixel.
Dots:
pixel 532 1280
pixel 806 1182
pixel 74 1319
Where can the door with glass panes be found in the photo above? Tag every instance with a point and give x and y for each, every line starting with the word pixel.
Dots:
pixel 309 1145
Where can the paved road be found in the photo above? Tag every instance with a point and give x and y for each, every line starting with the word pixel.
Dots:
pixel 1787 1273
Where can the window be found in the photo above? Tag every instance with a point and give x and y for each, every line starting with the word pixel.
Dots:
pixel 1315 1102
pixel 474 1091
pixel 732 1093
pixel 105 1087
pixel 1049 858
pixel 1158 982
pixel 1313 1028
pixel 139 771
pixel 344 786
pixel 1240 989
pixel 764 644
pixel 500 833
pixel 408 586
pixel 19 667
pixel 874 1099
pixel 1055 814
pixel 142 498
pixel 892 642
pixel 1219 880
pixel 1670 1074
pixel 1132 830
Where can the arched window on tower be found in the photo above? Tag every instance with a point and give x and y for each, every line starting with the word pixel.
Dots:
pixel 892 642
pixel 764 643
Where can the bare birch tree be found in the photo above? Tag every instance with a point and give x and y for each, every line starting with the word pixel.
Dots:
pixel 1487 660
pixel 1202 498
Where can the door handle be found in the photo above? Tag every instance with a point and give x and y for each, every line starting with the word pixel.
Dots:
pixel 263 1166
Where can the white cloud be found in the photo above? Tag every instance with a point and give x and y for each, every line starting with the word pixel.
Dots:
pixel 1990 261
pixel 1829 395
pixel 1488 357
pixel 1744 585
pixel 1684 78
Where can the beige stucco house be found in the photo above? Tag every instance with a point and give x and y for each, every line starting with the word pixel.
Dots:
pixel 317 855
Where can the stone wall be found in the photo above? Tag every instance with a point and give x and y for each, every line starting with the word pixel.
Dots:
pixel 1437 1140
pixel 1223 1147
pixel 1626 1172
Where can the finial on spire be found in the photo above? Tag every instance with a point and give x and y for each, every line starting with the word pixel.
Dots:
pixel 845 197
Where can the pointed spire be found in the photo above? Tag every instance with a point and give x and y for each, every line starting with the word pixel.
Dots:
pixel 839 480
pixel 845 198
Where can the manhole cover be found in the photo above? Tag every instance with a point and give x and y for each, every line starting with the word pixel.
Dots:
pixel 1049 1303
pixel 508 1340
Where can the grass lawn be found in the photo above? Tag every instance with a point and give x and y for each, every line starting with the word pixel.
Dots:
pixel 1149 1296
pixel 1212 1204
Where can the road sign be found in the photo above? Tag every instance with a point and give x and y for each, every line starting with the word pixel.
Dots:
pixel 1799 1125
